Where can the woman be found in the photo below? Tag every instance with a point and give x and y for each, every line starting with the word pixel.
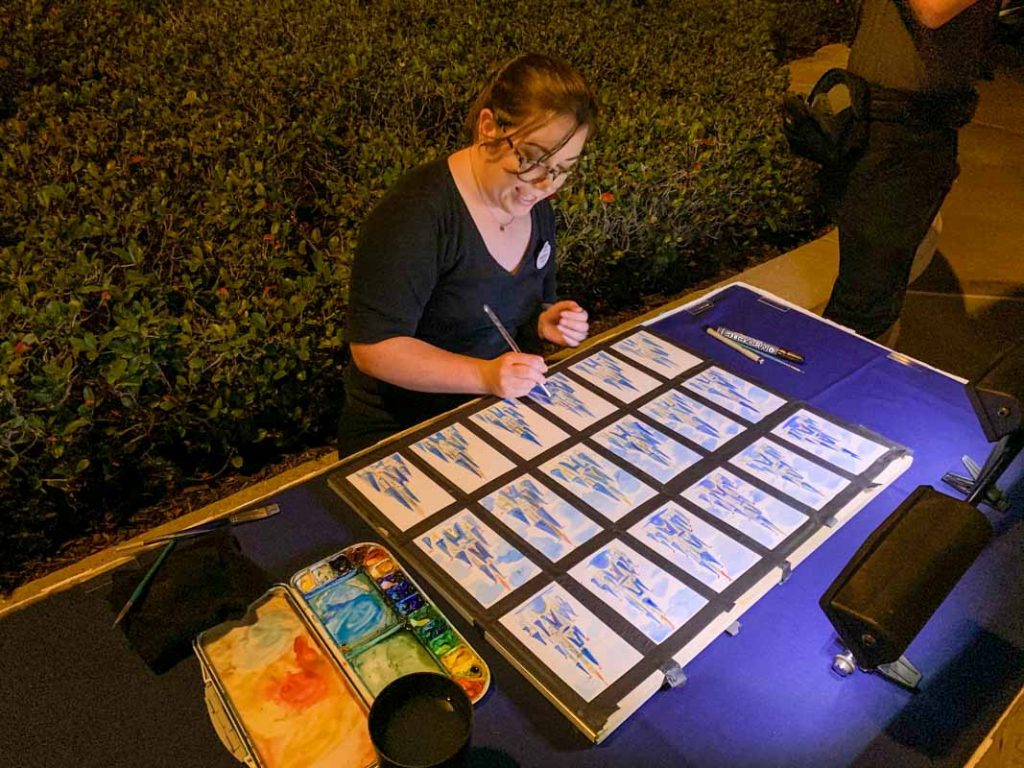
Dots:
pixel 455 234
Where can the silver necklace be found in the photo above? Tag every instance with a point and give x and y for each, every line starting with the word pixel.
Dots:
pixel 483 202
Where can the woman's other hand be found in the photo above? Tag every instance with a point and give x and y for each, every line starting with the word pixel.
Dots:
pixel 564 323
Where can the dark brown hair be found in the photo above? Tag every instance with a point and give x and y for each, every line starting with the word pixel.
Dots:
pixel 532 89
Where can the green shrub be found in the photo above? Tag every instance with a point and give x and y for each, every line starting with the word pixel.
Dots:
pixel 801 27
pixel 181 183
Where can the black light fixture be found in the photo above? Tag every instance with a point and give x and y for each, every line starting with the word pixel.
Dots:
pixel 904 570
pixel 899 577
pixel 996 396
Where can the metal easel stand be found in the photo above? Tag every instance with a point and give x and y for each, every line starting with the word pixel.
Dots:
pixel 901 671
pixel 986 491
pixel 997 397
pixel 981 486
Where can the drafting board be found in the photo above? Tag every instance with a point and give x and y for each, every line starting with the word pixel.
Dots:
pixel 602 537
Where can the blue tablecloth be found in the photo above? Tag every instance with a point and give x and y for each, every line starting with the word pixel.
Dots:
pixel 767 697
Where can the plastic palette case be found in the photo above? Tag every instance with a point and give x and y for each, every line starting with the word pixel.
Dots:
pixel 290 683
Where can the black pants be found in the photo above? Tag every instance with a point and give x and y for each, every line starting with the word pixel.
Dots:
pixel 883 199
pixel 373 410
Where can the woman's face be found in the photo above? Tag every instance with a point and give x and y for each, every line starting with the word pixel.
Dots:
pixel 526 171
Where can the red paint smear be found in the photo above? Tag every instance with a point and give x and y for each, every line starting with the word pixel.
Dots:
pixel 301 690
pixel 473 688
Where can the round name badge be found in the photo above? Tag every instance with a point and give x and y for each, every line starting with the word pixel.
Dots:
pixel 544 255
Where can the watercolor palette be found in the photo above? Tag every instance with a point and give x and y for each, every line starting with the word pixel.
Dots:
pixel 291 682
pixel 379 622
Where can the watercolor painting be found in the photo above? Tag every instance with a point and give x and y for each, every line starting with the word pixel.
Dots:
pixel 571 641
pixel 400 491
pixel 656 354
pixel 291 698
pixel 573 403
pixel 352 610
pixel 836 445
pixel 606 487
pixel 478 559
pixel 541 516
pixel 736 395
pixel 614 376
pixel 693 420
pixel 793 475
pixel 462 457
pixel 698 548
pixel 651 600
pixel 643 446
pixel 762 517
pixel 519 428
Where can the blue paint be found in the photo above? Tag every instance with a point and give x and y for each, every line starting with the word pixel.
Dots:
pixel 401 591
pixel 352 610
pixel 412 603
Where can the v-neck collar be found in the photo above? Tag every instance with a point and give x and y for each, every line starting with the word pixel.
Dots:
pixel 531 242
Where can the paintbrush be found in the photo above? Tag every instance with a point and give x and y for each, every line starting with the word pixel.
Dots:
pixel 510 341
pixel 141 587
pixel 171 539
pixel 250 515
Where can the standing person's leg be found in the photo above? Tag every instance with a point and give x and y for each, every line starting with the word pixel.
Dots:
pixel 890 198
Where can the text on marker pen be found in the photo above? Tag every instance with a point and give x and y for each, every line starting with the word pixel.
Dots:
pixel 761 346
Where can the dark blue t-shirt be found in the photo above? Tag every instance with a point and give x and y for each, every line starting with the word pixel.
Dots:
pixel 421 269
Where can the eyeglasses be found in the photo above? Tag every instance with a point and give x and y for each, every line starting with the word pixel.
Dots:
pixel 534 171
